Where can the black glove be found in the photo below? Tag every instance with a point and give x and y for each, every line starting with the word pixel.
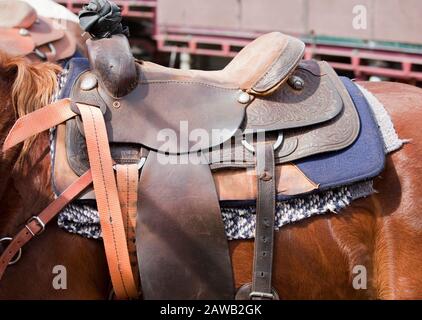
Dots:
pixel 102 19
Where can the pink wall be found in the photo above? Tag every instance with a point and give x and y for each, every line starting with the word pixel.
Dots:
pixel 390 20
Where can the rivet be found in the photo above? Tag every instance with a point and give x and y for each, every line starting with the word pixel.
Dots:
pixel 89 82
pixel 265 176
pixel 116 104
pixel 243 97
pixel 23 32
pixel 296 82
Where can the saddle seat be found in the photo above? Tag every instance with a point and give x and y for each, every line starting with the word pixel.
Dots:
pixel 258 68
pixel 24 33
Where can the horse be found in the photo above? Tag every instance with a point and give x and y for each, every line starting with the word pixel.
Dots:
pixel 313 259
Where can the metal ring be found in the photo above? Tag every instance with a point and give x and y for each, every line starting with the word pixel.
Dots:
pixel 277 144
pixel 42 55
pixel 140 163
pixel 18 255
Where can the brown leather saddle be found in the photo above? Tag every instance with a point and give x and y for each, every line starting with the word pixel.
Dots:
pixel 200 137
pixel 23 33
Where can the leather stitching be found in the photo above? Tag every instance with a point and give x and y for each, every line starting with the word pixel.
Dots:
pixel 108 204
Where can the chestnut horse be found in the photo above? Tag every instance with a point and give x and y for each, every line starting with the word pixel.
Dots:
pixel 314 259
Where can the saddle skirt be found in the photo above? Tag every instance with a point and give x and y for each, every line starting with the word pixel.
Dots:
pixel 24 33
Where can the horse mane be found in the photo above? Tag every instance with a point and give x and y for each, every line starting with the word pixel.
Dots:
pixel 33 86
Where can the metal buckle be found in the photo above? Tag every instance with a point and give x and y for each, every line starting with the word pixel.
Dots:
pixel 42 55
pixel 39 222
pixel 277 144
pixel 257 294
pixel 140 163
pixel 18 255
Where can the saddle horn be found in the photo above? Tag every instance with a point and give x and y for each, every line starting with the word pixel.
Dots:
pixel 108 50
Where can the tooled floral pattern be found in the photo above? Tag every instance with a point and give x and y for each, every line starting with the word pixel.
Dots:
pixel 333 135
pixel 288 107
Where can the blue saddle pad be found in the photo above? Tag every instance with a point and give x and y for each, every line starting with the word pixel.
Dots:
pixel 362 160
pixel 74 68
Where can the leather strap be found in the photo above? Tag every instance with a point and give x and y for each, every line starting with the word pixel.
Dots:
pixel 107 197
pixel 127 184
pixel 38 121
pixel 36 224
pixel 265 215
pixel 180 239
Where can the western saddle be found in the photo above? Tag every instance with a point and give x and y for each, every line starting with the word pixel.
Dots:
pixel 163 147
pixel 23 33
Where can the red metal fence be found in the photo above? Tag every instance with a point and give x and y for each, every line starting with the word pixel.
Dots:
pixel 223 27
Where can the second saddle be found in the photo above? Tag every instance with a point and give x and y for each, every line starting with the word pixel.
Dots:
pixel 24 33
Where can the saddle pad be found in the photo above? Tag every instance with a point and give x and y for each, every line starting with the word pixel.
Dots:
pixel 364 159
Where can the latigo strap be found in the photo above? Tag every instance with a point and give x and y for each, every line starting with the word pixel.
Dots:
pixel 127 176
pixel 112 227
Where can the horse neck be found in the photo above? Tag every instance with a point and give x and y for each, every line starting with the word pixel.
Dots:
pixel 24 171
pixel 28 187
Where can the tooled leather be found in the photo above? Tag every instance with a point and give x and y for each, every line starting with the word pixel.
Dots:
pixel 335 134
pixel 288 108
